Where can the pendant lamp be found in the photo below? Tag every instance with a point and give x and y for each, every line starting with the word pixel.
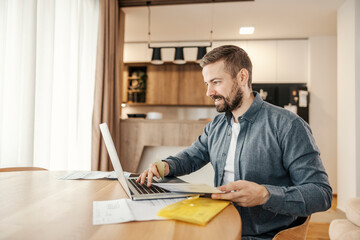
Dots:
pixel 179 55
pixel 200 53
pixel 156 56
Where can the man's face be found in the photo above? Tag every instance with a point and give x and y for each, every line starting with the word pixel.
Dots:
pixel 221 87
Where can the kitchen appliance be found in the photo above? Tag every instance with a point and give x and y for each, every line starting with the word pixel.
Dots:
pixel 136 115
pixel 154 115
pixel 292 96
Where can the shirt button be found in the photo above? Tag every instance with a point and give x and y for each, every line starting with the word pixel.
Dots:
pixel 224 154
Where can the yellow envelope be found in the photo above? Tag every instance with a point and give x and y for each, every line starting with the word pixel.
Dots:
pixel 194 210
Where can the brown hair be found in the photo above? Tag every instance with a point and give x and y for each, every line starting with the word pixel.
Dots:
pixel 235 58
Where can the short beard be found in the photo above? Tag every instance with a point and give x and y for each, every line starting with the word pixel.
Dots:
pixel 232 102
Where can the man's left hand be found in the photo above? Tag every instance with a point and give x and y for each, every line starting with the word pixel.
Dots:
pixel 243 193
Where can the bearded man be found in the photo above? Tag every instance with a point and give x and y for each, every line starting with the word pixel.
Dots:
pixel 265 158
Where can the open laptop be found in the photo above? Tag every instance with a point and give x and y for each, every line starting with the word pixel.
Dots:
pixel 134 190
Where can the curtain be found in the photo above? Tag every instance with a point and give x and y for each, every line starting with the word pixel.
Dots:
pixel 47 77
pixel 108 79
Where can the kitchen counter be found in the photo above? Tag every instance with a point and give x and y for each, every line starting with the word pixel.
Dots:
pixel 164 120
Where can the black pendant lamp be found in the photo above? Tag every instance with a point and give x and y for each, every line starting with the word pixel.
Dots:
pixel 156 56
pixel 200 53
pixel 179 55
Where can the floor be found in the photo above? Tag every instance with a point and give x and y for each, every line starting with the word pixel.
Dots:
pixel 319 222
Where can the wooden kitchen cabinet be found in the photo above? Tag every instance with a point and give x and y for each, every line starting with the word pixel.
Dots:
pixel 162 84
pixel 192 89
pixel 172 84
pixel 138 133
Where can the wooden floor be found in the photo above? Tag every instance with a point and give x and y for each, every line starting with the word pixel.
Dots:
pixel 320 231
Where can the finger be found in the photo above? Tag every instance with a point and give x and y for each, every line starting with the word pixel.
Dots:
pixel 139 178
pixel 143 177
pixel 233 196
pixel 233 186
pixel 149 179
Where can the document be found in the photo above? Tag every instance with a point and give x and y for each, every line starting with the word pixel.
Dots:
pixel 303 95
pixel 188 187
pixel 91 175
pixel 126 210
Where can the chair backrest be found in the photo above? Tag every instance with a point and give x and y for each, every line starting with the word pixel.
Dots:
pixel 150 154
pixel 294 233
pixel 14 169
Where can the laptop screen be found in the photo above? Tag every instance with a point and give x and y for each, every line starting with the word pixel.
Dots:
pixel 114 157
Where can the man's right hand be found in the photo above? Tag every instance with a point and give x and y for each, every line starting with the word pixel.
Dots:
pixel 151 172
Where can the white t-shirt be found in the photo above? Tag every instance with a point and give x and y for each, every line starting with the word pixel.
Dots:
pixel 229 166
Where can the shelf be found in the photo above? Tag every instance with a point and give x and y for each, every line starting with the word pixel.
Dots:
pixel 135 91
pixel 133 78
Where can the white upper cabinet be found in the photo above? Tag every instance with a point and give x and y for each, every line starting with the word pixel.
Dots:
pixel 292 61
pixel 136 52
pixel 274 61
pixel 263 58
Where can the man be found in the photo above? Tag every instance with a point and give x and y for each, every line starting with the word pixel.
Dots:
pixel 265 157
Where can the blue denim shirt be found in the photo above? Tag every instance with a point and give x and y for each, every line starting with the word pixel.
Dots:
pixel 275 148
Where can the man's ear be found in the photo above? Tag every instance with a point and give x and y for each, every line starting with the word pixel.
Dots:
pixel 243 77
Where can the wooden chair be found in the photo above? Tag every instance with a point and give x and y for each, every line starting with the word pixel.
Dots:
pixel 14 169
pixel 297 230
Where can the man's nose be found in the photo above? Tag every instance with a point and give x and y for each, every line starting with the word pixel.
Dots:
pixel 210 91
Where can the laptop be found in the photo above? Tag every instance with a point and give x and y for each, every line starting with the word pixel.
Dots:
pixel 135 190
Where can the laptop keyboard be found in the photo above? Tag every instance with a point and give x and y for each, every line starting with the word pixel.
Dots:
pixel 143 189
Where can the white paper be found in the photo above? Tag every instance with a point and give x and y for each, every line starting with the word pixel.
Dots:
pixel 126 210
pixel 145 210
pixel 303 98
pixel 114 211
pixel 188 187
pixel 91 175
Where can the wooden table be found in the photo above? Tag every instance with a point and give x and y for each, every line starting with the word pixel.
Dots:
pixel 36 205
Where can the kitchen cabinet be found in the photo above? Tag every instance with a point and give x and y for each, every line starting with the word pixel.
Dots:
pixel 263 58
pixel 172 84
pixel 138 133
pixel 274 61
pixel 136 52
pixel 292 61
pixel 192 89
pixel 162 84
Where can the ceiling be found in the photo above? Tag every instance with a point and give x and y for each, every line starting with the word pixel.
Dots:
pixel 272 19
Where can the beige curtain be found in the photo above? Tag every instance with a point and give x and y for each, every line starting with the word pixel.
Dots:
pixel 107 83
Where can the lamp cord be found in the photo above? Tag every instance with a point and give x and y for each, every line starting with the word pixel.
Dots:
pixel 149 18
pixel 211 23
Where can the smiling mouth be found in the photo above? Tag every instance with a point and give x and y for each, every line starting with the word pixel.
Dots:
pixel 217 99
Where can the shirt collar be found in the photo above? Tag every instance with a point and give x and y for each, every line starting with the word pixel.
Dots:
pixel 251 113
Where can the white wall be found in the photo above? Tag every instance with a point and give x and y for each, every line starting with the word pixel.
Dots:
pixel 323 101
pixel 348 101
